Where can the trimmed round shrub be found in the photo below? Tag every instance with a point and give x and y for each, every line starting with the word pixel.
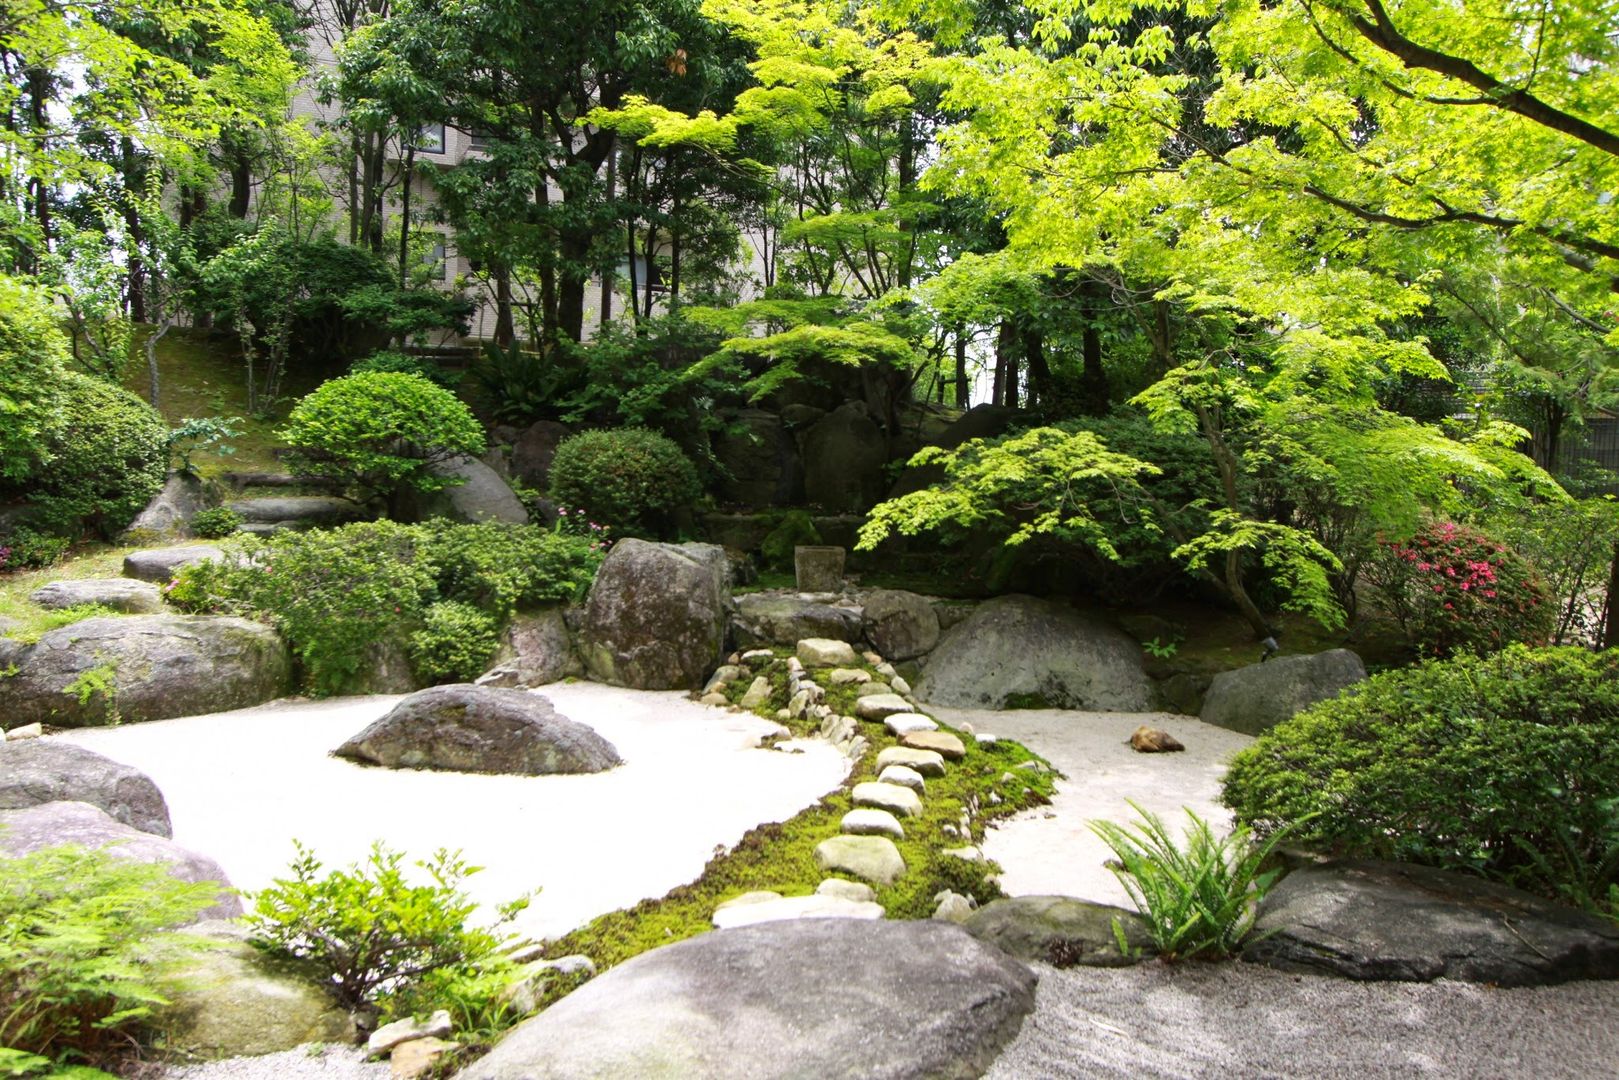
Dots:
pixel 631 480
pixel 455 643
pixel 399 363
pixel 380 433
pixel 215 522
pixel 1452 588
pixel 1502 765
pixel 108 457
pixel 33 357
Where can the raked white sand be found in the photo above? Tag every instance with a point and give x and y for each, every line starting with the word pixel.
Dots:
pixel 242 785
pixel 1051 850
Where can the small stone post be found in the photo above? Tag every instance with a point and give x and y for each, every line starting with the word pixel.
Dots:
pixel 819 568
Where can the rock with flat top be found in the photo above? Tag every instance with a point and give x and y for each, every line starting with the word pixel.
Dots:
pixel 39 771
pixel 826 652
pixel 872 858
pixel 120 594
pixel 1062 931
pixel 926 762
pixel 751 909
pixel 161 564
pixel 871 821
pixel 940 742
pixel 891 797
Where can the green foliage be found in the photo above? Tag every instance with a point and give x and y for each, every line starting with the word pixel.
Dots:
pixel 1294 560
pixel 99 681
pixel 518 386
pixel 215 523
pixel 23 549
pixel 795 529
pixel 33 357
pixel 79 971
pixel 407 364
pixel 368 930
pixel 455 643
pixel 1498 765
pixel 1452 588
pixel 1572 544
pixel 1198 898
pixel 107 459
pixel 639 376
pixel 56 618
pixel 201 433
pixel 630 479
pixel 337 594
pixel 380 433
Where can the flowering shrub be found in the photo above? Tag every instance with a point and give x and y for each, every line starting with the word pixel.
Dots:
pixel 1452 588
pixel 575 521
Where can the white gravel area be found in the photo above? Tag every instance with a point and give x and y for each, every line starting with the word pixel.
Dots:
pixel 1234 1020
pixel 312 1062
pixel 1051 850
pixel 242 785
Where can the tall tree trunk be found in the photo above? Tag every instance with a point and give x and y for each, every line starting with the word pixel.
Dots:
pixel 963 390
pixel 606 313
pixel 1034 349
pixel 1610 629
pixel 505 333
pixel 354 189
pixel 404 218
pixel 1228 466
pixel 1003 363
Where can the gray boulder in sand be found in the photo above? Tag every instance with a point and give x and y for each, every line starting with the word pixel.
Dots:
pixel 656 616
pixel 900 625
pixel 233 1000
pixel 1019 651
pixel 120 594
pixel 1062 931
pixel 800 998
pixel 144 667
pixel 767 619
pixel 1398 922
pixel 536 649
pixel 36 771
pixel 161 564
pixel 57 823
pixel 1256 698
pixel 480 729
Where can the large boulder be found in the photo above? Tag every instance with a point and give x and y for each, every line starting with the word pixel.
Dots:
pixel 844 454
pixel 1062 931
pixel 536 649
pixel 36 771
pixel 1256 698
pixel 1022 652
pixel 798 998
pixel 900 625
pixel 480 729
pixel 56 823
pixel 144 667
pixel 786 619
pixel 233 1000
pixel 759 460
pixel 120 594
pixel 276 512
pixel 534 450
pixel 170 512
pixel 657 615
pixel 478 494
pixel 161 564
pixel 1394 921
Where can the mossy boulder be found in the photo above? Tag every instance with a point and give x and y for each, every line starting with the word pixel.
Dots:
pixel 657 615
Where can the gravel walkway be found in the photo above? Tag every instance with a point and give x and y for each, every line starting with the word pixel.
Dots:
pixel 1236 1020
pixel 313 1062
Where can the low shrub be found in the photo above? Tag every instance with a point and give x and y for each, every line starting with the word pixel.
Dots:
pixel 631 480
pixel 1500 765
pixel 381 434
pixel 109 456
pixel 79 971
pixel 387 360
pixel 1199 899
pixel 215 522
pixel 1453 588
pixel 26 549
pixel 1573 545
pixel 455 643
pixel 369 931
pixel 501 568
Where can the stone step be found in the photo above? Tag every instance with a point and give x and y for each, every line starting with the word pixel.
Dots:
pixel 872 858
pixel 120 594
pixel 752 908
pixel 868 821
pixel 926 762
pixel 891 797
pixel 291 511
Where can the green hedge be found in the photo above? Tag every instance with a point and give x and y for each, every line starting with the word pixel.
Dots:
pixel 629 479
pixel 108 457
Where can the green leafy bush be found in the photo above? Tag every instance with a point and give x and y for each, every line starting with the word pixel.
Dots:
pixel 500 568
pixel 455 643
pixel 199 433
pixel 369 930
pixel 387 360
pixel 33 358
pixel 23 549
pixel 1572 544
pixel 517 386
pixel 108 457
pixel 215 522
pixel 1452 588
pixel 79 971
pixel 380 433
pixel 1501 765
pixel 629 479
pixel 1199 899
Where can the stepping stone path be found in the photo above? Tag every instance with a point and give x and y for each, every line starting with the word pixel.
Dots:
pixel 752 908
pixel 903 775
pixel 882 706
pixel 825 652
pixel 942 743
pixel 890 797
pixel 873 858
pixel 925 762
pixel 869 821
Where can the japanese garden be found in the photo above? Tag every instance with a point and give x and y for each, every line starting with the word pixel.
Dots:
pixel 744 540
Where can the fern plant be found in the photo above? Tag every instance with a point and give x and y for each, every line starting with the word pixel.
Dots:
pixel 1197 899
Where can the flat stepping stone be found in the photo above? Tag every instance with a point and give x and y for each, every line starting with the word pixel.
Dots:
pixel 848 890
pixel 870 858
pixel 940 742
pixel 881 706
pixel 1399 922
pixel 753 908
pixel 926 762
pixel 891 797
pixel 904 776
pixel 872 688
pixel 848 676
pixel 119 594
pixel 868 821
pixel 826 652
pixel 902 724
pixel 161 564
pixel 297 511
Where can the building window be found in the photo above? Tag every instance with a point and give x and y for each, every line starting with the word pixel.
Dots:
pixel 438 267
pixel 429 139
pixel 482 140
